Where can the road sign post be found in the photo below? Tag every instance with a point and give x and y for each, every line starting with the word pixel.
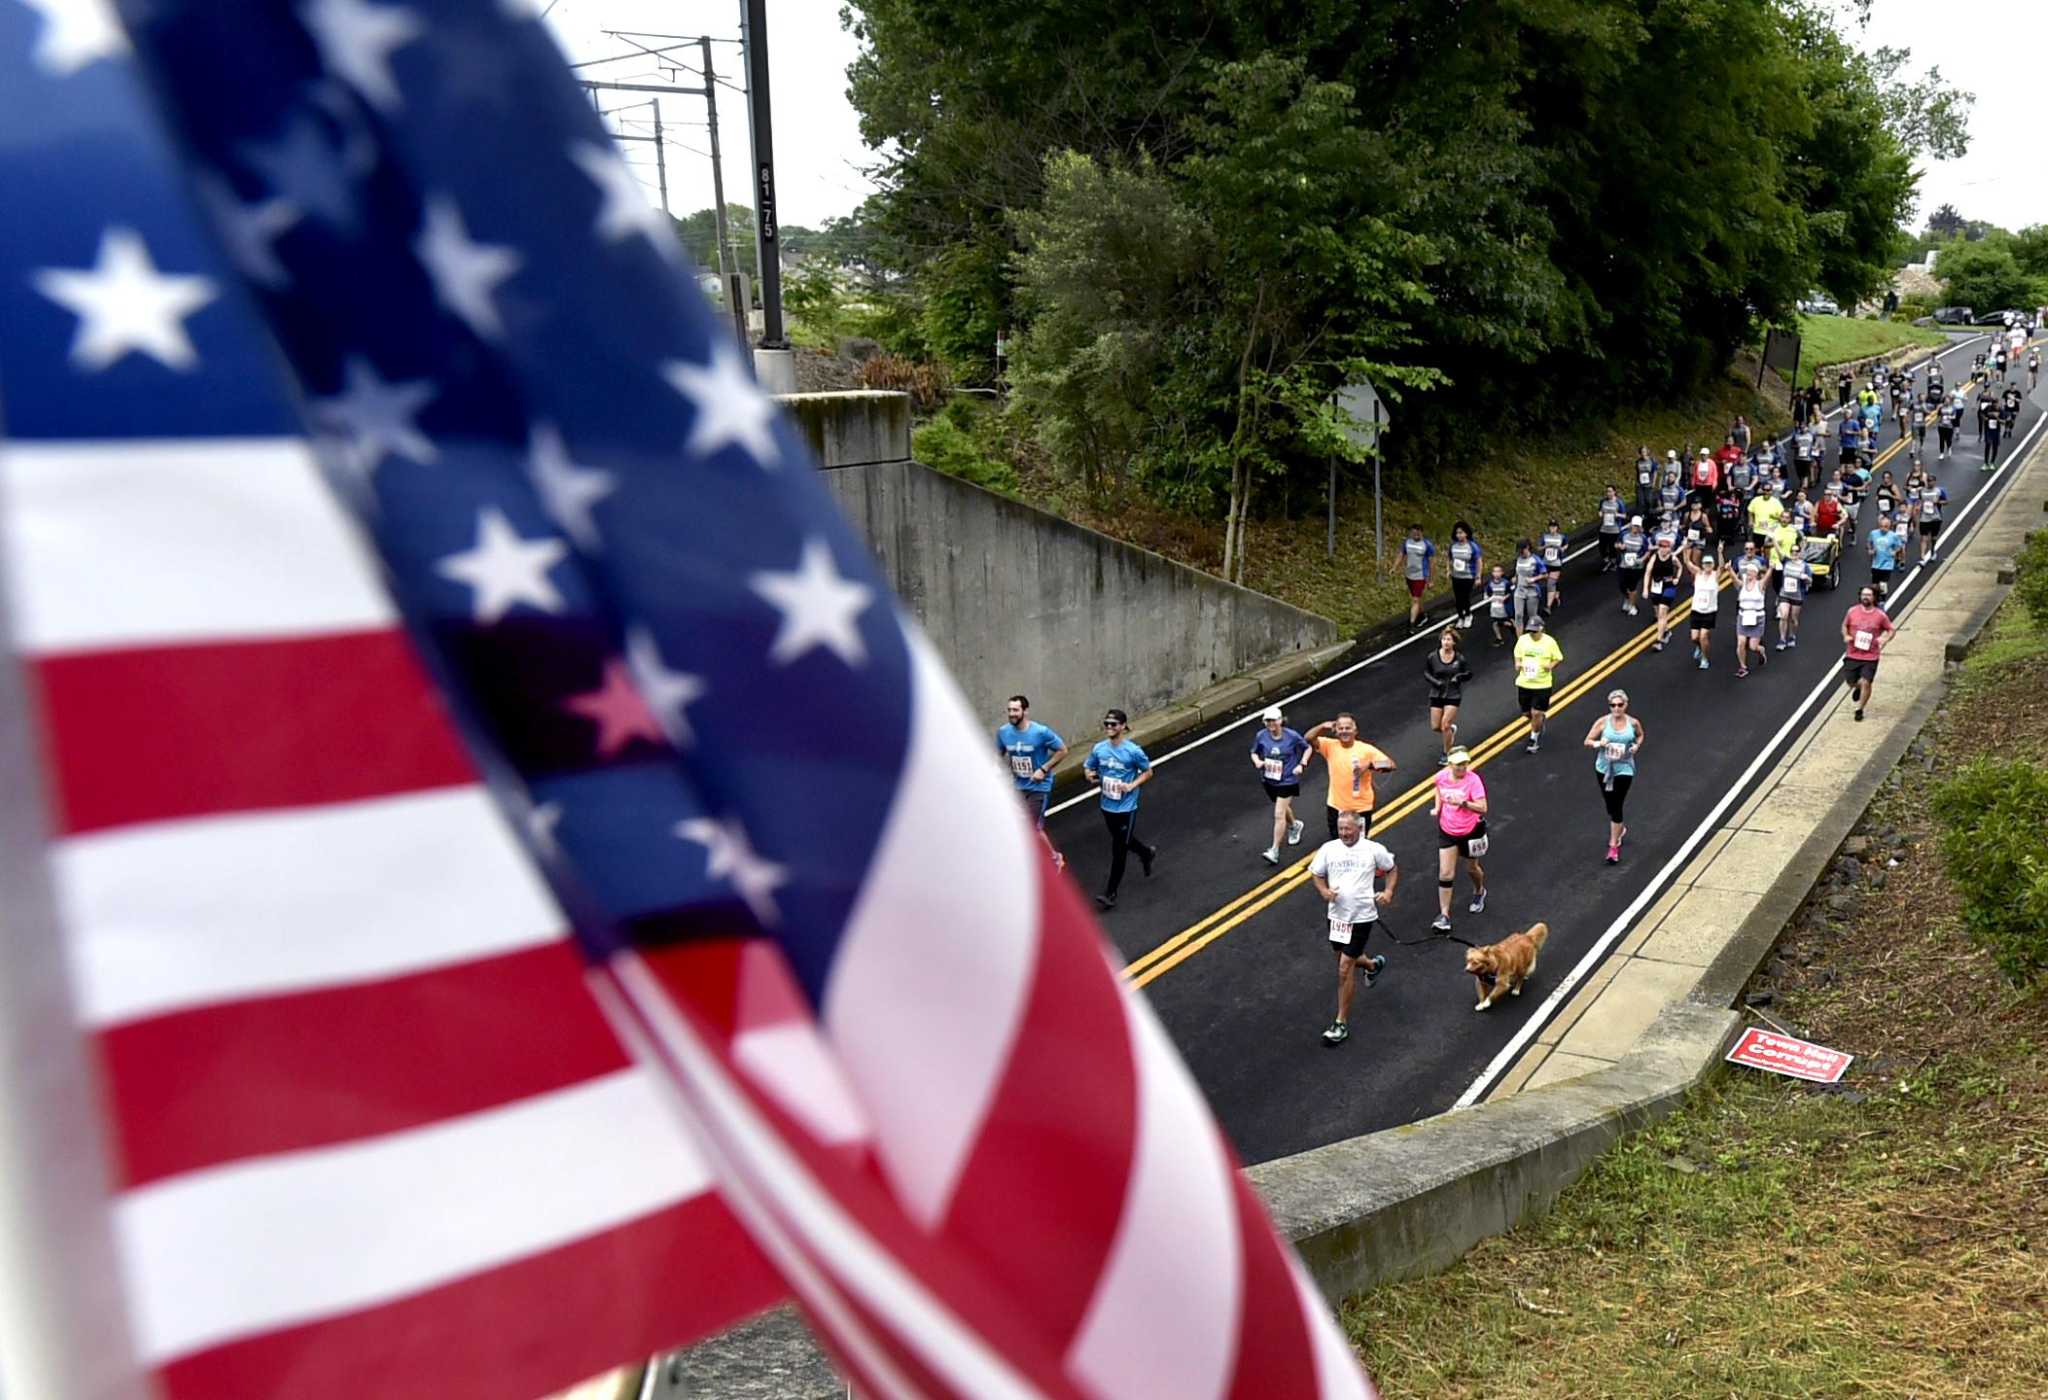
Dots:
pixel 1362 421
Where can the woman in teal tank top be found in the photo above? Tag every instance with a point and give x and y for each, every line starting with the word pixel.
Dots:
pixel 1615 738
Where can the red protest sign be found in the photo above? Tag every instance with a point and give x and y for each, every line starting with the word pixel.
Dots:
pixel 1782 1054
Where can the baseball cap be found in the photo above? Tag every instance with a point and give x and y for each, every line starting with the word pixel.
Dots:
pixel 1270 712
pixel 1536 623
pixel 1671 454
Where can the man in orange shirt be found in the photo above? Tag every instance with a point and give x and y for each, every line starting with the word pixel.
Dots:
pixel 1353 764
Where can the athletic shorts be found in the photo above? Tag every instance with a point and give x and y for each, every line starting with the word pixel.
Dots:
pixel 1854 670
pixel 1035 804
pixel 1929 529
pixel 1279 790
pixel 1668 593
pixel 1533 698
pixel 1752 630
pixel 1355 949
pixel 1881 577
pixel 1444 840
pixel 1450 701
pixel 1703 621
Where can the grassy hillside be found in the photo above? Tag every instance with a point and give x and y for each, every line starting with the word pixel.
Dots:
pixel 1826 341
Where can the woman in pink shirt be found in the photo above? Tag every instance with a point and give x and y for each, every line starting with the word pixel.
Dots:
pixel 1864 632
pixel 1459 805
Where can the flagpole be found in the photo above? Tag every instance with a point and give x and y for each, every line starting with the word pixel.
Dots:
pixel 63 1328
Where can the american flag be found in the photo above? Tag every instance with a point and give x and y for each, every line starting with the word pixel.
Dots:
pixel 499 607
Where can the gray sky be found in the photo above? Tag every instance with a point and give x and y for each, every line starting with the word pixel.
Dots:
pixel 1997 49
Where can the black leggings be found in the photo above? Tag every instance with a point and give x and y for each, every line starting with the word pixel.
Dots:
pixel 1614 796
pixel 1123 839
pixel 1461 595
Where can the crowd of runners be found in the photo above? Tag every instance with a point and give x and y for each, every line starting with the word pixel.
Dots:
pixel 1768 518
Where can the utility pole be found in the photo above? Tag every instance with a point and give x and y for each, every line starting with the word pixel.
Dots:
pixel 725 260
pixel 767 240
pixel 660 155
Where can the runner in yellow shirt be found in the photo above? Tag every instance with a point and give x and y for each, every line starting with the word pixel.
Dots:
pixel 1353 764
pixel 1766 513
pixel 1537 656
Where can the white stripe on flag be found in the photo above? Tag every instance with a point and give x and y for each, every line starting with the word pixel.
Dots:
pixel 141 543
pixel 283 1240
pixel 1178 1251
pixel 1338 1374
pixel 213 909
pixel 938 954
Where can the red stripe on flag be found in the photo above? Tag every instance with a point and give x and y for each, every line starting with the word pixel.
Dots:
pixel 153 733
pixel 1060 1131
pixel 1274 1356
pixel 215 1084
pixel 529 1328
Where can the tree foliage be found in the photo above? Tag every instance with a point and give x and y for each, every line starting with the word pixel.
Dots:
pixel 1989 276
pixel 1520 210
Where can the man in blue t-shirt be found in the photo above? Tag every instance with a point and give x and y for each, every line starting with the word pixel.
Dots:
pixel 1031 750
pixel 1121 767
pixel 1886 544
pixel 1279 754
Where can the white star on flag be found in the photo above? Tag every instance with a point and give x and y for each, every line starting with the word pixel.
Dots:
pixel 505 569
pixel 569 491
pixel 123 303
pixel 377 417
pixel 465 273
pixel 626 211
pixel 668 693
pixel 730 857
pixel 76 33
pixel 357 40
pixel 730 406
pixel 819 608
pixel 249 230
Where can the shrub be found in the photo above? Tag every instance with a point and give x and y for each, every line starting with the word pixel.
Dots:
pixel 924 382
pixel 1995 814
pixel 2031 573
pixel 959 442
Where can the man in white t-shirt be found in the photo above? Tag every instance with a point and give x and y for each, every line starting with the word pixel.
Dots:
pixel 1344 871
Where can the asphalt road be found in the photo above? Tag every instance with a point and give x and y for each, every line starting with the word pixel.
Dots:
pixel 1246 985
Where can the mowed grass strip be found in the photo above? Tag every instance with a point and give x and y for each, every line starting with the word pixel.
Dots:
pixel 1884 1238
pixel 1827 341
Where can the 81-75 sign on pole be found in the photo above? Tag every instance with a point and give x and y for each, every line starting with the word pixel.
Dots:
pixel 1364 419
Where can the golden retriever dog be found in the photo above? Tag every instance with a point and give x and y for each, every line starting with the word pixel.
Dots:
pixel 1506 965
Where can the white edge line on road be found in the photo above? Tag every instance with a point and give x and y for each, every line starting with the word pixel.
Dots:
pixel 1513 1049
pixel 1237 726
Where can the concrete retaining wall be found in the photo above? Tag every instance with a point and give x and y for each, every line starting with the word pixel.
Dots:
pixel 1085 621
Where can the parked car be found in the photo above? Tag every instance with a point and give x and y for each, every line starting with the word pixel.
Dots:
pixel 1955 316
pixel 1819 304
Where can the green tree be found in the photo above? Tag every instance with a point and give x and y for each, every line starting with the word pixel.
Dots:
pixel 1987 276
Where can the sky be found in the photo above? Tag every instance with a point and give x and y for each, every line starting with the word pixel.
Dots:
pixel 1997 49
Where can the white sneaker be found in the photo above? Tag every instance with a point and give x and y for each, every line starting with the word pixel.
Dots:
pixel 1294 833
pixel 1271 855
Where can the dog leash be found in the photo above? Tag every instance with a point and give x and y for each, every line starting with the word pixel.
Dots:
pixel 1434 935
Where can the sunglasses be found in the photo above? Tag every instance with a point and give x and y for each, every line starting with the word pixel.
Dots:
pixel 1617 704
pixel 1112 724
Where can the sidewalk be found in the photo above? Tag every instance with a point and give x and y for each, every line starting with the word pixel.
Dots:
pixel 1715 922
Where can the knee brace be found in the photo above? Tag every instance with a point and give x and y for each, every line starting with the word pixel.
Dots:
pixel 1445 884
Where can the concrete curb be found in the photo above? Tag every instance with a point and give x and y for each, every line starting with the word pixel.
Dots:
pixel 1409 1201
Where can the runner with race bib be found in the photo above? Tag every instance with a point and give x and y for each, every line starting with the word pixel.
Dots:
pixel 1121 767
pixel 1279 754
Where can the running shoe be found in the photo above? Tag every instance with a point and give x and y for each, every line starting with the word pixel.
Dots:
pixel 1337 1034
pixel 1374 966
pixel 1657 645
pixel 1534 746
pixel 1105 901
pixel 1478 905
pixel 1443 760
pixel 1294 833
pixel 1145 862
pixel 1695 653
pixel 1271 855
pixel 1614 855
pixel 1629 608
pixel 1442 924
pixel 1859 716
pixel 1781 644
pixel 1792 643
pixel 1703 663
pixel 1741 671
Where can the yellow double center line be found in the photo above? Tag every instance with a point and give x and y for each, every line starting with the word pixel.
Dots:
pixel 1262 896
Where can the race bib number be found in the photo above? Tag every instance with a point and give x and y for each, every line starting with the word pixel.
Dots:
pixel 1532 669
pixel 1478 846
pixel 1500 607
pixel 1021 765
pixel 1631 560
pixel 1793 587
pixel 1271 768
pixel 1617 752
pixel 1864 641
pixel 1114 788
pixel 1551 554
pixel 1340 930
